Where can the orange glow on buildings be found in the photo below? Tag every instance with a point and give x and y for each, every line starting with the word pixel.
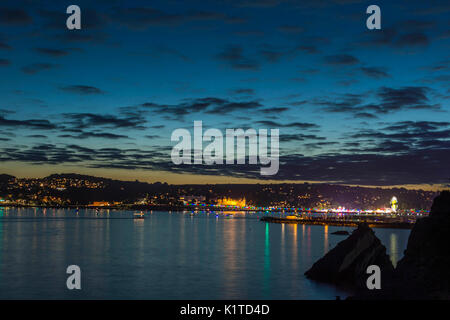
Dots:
pixel 231 202
pixel 99 204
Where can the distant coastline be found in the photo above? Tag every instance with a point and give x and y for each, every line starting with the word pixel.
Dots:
pixel 401 222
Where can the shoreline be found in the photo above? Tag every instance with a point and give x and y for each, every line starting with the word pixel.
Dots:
pixel 347 222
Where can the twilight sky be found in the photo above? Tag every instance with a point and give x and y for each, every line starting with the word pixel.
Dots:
pixel 353 106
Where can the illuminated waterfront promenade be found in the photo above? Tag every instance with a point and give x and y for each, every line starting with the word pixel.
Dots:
pixel 313 211
pixel 342 212
pixel 380 218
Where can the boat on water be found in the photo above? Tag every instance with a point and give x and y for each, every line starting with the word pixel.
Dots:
pixel 139 215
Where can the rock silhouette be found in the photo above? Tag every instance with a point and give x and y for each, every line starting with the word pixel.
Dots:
pixel 346 264
pixel 422 274
pixel 424 271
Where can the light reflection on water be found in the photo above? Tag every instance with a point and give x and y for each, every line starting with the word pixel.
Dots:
pixel 165 256
pixel 393 249
pixel 266 278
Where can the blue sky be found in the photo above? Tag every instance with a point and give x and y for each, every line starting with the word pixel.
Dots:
pixel 353 106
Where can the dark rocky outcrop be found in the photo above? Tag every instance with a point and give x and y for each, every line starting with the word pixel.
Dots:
pixel 346 264
pixel 424 271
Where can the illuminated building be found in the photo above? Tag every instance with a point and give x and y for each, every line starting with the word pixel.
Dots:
pixel 394 204
pixel 231 202
pixel 99 204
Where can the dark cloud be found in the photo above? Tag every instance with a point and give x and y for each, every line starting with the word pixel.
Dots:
pixel 445 35
pixel 82 89
pixel 37 67
pixel 345 103
pixel 234 57
pixel 310 71
pixel 411 135
pixel 44 154
pixel 52 52
pixel 5 112
pixel 271 55
pixel 341 59
pixel 143 18
pixel 291 29
pixel 434 8
pixel 276 110
pixel 299 137
pixel 298 79
pixel 412 39
pixel 102 135
pixel 442 78
pixel 4 62
pixel 298 125
pixel 364 168
pixel 249 33
pixel 365 115
pixel 258 3
pixel 91 120
pixel 369 169
pixel 12 16
pixel 406 97
pixel 382 37
pixel 4 46
pixel 347 82
pixel 419 126
pixel 375 72
pixel 298 103
pixel 210 105
pixel 389 100
pixel 37 136
pixel 31 124
pixel 404 34
pixel 223 108
pixel 163 51
pixel 414 25
pixel 212 16
pixel 307 49
pixel 89 157
pixel 319 144
pixel 244 91
pixel 82 36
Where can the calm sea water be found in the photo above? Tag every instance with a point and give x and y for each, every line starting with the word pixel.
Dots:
pixel 165 256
